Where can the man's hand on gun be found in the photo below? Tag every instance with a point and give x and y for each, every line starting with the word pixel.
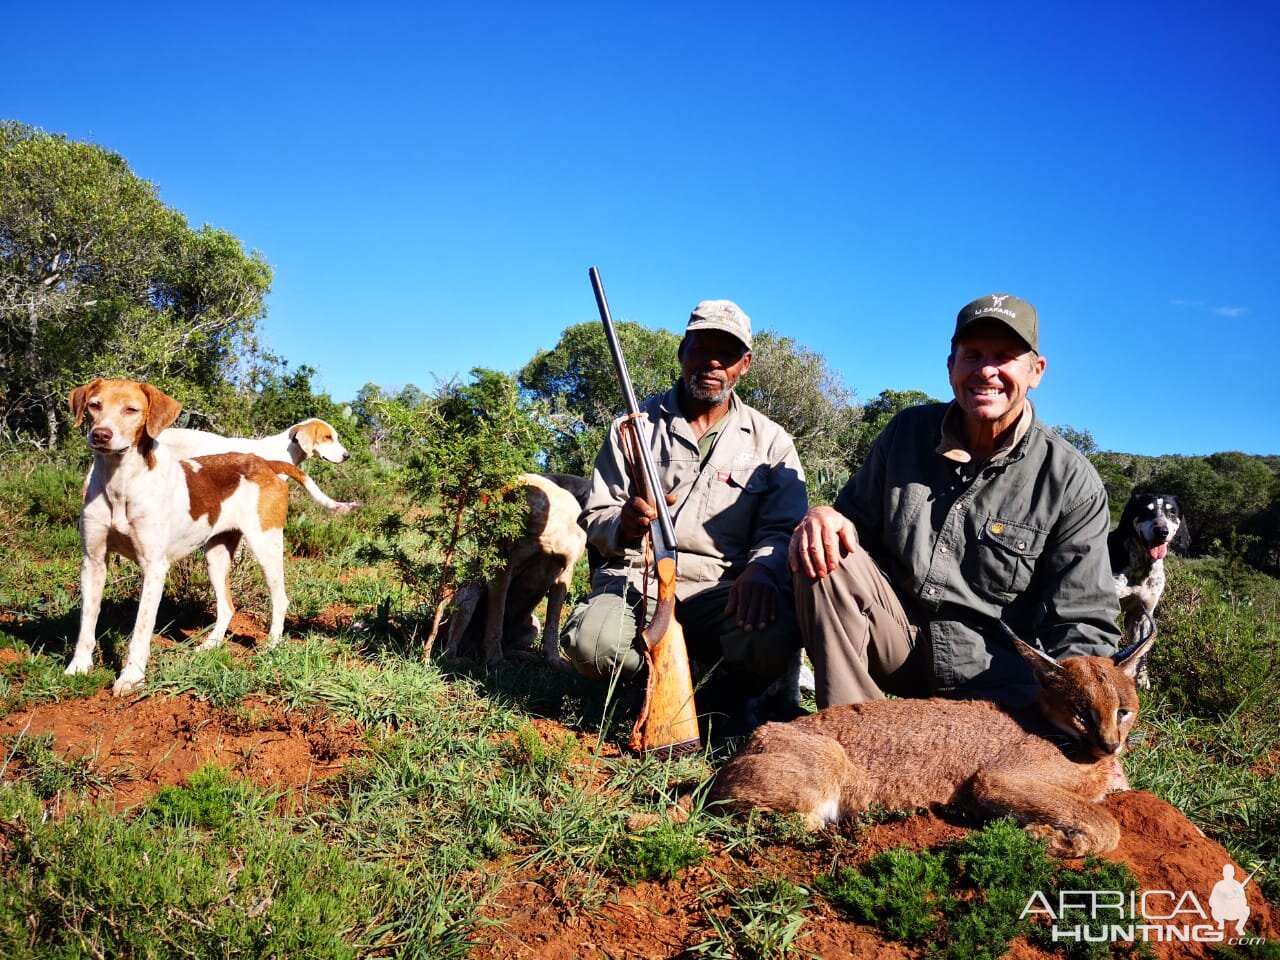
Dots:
pixel 635 517
pixel 824 536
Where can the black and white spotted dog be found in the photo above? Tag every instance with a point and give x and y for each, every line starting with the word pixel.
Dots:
pixel 1150 524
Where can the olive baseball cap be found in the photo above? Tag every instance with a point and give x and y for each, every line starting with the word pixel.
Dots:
pixel 723 315
pixel 1018 315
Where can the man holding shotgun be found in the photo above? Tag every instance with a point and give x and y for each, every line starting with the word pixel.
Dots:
pixel 736 491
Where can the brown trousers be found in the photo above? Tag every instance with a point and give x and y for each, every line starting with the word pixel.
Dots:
pixel 858 637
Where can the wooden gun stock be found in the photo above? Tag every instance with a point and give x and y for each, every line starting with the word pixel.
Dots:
pixel 668 723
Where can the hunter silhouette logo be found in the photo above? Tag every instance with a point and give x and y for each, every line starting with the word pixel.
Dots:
pixel 1228 900
pixel 1159 916
pixel 998 299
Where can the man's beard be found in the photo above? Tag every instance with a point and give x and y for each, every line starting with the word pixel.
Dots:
pixel 704 394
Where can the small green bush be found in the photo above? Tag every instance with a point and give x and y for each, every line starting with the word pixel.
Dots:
pixel 1218 652
pixel 902 892
pixel 210 800
pixel 660 853
pixel 966 901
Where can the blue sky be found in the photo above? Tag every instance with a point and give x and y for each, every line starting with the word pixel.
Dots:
pixel 431 181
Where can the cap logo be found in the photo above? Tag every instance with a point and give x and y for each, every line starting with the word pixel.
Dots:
pixel 998 300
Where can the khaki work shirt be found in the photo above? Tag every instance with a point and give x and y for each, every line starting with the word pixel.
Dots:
pixel 737 508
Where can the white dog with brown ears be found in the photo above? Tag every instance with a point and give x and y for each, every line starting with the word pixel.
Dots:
pixel 153 508
pixel 310 438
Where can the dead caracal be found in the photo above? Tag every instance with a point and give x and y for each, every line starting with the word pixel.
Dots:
pixel 1047 770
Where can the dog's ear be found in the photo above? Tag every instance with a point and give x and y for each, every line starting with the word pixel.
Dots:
pixel 80 398
pixel 162 409
pixel 304 435
pixel 1130 512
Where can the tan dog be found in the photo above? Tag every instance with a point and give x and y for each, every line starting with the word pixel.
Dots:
pixel 539 564
pixel 1047 771
pixel 154 509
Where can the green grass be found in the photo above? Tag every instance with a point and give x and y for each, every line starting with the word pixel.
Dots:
pixel 763 921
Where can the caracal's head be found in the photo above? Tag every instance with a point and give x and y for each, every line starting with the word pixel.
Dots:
pixel 123 415
pixel 1094 700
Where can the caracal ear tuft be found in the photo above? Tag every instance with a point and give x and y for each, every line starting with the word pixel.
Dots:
pixel 1130 658
pixel 1044 666
pixel 80 398
pixel 162 409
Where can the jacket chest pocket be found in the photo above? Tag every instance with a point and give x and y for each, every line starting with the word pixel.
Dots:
pixel 733 502
pixel 1006 556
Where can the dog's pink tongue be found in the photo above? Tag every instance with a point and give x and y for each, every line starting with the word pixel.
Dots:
pixel 1157 553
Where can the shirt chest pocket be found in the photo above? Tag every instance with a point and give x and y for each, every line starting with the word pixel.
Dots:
pixel 733 502
pixel 1007 554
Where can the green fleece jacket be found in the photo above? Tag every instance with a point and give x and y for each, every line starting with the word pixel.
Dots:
pixel 1022 537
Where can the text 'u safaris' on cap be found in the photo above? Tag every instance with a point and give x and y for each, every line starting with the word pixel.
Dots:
pixel 724 315
pixel 1018 315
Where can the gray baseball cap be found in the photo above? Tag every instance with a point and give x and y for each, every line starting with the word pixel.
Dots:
pixel 724 315
pixel 1018 315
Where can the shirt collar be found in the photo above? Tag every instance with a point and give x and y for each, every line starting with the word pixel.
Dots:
pixel 953 445
pixel 669 403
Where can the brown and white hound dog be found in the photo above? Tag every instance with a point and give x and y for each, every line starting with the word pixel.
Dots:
pixel 538 564
pixel 153 508
pixel 310 438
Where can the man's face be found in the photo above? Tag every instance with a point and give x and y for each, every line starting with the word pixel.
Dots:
pixel 711 363
pixel 991 371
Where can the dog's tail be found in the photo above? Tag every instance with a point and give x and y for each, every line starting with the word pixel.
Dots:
pixel 288 470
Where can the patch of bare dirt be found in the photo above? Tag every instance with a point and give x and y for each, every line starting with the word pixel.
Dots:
pixel 539 917
pixel 143 745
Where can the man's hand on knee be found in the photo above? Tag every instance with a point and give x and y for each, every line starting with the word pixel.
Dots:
pixel 823 537
pixel 754 598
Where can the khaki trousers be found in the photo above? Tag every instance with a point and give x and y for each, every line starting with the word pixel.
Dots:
pixel 599 638
pixel 858 637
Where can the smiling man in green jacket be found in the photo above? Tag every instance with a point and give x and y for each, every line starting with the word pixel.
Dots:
pixel 964 514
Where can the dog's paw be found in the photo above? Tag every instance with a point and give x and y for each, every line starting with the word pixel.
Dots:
pixel 346 506
pixel 209 643
pixel 130 679
pixel 78 666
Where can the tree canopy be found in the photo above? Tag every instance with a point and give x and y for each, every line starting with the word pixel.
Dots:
pixel 576 382
pixel 98 277
pixel 876 416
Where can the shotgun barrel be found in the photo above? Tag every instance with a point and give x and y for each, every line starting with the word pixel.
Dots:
pixel 668 722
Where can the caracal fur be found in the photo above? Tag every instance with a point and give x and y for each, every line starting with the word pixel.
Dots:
pixel 1047 769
